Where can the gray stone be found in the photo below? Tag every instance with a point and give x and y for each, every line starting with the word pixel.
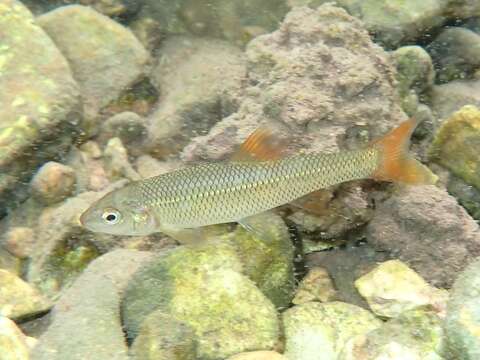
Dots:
pixel 40 110
pixel 86 320
pixel 424 226
pixel 463 316
pixel 104 56
pixel 456 54
pixel 116 162
pixel 13 343
pixel 188 107
pixel 451 97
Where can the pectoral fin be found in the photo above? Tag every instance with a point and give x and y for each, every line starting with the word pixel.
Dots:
pixel 185 236
pixel 262 225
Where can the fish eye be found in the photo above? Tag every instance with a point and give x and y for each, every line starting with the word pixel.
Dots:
pixel 111 216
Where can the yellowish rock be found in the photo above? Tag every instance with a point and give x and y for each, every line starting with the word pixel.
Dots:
pixel 18 298
pixel 457 145
pixel 258 355
pixel 13 343
pixel 393 288
pixel 316 286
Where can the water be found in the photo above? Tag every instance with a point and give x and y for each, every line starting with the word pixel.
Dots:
pixel 100 93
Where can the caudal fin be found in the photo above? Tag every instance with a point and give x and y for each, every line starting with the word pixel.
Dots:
pixel 396 164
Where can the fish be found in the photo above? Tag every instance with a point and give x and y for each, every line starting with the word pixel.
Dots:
pixel 253 182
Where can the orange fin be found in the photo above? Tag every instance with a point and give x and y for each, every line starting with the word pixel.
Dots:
pixel 261 145
pixel 395 163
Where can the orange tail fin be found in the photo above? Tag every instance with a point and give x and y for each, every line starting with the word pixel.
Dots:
pixel 396 164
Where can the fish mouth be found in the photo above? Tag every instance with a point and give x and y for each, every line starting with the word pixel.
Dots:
pixel 83 218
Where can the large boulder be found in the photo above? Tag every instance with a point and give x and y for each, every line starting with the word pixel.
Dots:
pixel 41 109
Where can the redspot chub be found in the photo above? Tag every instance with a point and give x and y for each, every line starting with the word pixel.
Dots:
pixel 233 191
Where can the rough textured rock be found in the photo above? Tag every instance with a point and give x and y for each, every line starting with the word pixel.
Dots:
pixel 19 299
pixel 86 320
pixel 462 323
pixel 467 195
pixel 104 56
pixel 463 9
pixel 13 343
pixel 258 355
pixel 52 183
pixel 423 226
pixel 320 76
pixel 456 54
pixel 128 127
pixel 457 144
pixel 113 8
pixel 415 335
pixel 187 107
pixel 449 98
pixel 188 283
pixel 41 108
pixel 392 288
pixel 161 337
pixel 315 286
pixel 313 326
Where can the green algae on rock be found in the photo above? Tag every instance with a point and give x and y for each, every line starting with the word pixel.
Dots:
pixel 41 108
pixel 462 323
pixel 19 299
pixel 457 145
pixel 417 334
pixel 161 337
pixel 316 331
pixel 105 57
pixel 202 287
pixel 393 288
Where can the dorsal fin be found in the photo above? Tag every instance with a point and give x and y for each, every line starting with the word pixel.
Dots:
pixel 261 145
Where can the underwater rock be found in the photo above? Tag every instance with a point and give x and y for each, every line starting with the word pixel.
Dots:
pixel 62 247
pixel 319 76
pixel 86 320
pixel 395 22
pixel 258 355
pixel 189 284
pixel 467 195
pixel 392 288
pixel 13 343
pixel 414 70
pixel 187 107
pixel 237 21
pixel 112 8
pixel 116 161
pixel 425 228
pixel 147 166
pixel 451 97
pixel 19 241
pixel 315 286
pixel 456 54
pixel 161 337
pixel 127 126
pixel 457 144
pixel 345 265
pixel 52 183
pixel 463 319
pixel 18 299
pixel 148 32
pixel 315 331
pixel 463 9
pixel 415 335
pixel 40 110
pixel 104 56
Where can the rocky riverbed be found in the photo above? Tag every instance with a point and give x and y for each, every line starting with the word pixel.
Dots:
pixel 100 93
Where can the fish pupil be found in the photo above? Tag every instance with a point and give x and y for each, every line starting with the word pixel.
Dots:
pixel 111 217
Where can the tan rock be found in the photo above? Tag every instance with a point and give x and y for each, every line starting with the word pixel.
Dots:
pixel 316 286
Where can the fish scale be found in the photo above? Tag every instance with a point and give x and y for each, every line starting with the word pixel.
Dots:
pixel 225 192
